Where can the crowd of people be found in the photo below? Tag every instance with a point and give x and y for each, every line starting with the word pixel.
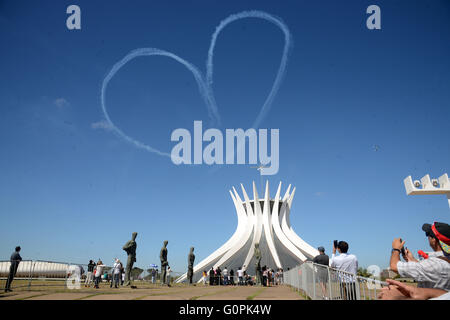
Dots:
pixel 431 271
pixel 346 265
pixel 217 276
pixel 97 273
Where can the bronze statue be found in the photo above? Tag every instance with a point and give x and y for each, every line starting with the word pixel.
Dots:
pixel 164 262
pixel 257 256
pixel 191 258
pixel 130 249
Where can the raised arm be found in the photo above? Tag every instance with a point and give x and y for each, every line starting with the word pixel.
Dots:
pixel 401 291
pixel 397 246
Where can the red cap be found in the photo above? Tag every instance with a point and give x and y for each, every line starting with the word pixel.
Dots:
pixel 440 236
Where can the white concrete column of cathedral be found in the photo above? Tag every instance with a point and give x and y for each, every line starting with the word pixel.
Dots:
pixel 265 222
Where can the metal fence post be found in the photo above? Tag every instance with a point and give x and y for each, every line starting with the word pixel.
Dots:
pixel 329 282
pixel 313 270
pixel 30 275
pixel 357 289
pixel 65 276
pixel 364 290
pixel 375 292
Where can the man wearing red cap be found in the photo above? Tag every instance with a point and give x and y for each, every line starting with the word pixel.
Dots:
pixel 433 272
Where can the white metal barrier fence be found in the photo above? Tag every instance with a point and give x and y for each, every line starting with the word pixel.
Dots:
pixel 322 282
pixel 43 273
pixel 37 273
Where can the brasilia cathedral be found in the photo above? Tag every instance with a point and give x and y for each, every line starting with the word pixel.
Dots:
pixel 264 221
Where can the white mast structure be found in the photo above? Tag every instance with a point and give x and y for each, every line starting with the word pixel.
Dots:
pixel 267 224
pixel 428 186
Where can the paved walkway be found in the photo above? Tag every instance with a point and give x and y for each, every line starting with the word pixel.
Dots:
pixel 159 293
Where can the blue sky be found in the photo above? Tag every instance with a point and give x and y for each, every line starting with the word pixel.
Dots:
pixel 73 192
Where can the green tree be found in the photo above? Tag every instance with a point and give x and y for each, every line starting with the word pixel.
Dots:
pixel 362 272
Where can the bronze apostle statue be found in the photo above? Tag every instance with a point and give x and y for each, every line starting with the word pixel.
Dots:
pixel 130 249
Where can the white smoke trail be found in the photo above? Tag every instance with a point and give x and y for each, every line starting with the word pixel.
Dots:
pixel 205 87
pixel 212 110
pixel 281 70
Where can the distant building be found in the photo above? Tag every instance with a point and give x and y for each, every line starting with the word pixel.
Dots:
pixel 41 269
pixel 387 274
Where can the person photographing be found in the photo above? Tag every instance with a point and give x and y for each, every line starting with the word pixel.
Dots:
pixel 433 272
pixel 347 263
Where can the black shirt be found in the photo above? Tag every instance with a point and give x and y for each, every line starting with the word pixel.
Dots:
pixel 91 267
pixel 15 257
pixel 322 259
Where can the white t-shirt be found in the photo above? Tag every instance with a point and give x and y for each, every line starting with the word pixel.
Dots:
pixel 345 262
pixel 429 273
pixel 116 268
pixel 240 273
pixel 99 271
pixel 435 254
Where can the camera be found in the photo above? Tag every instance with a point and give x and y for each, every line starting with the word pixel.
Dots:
pixel 402 250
